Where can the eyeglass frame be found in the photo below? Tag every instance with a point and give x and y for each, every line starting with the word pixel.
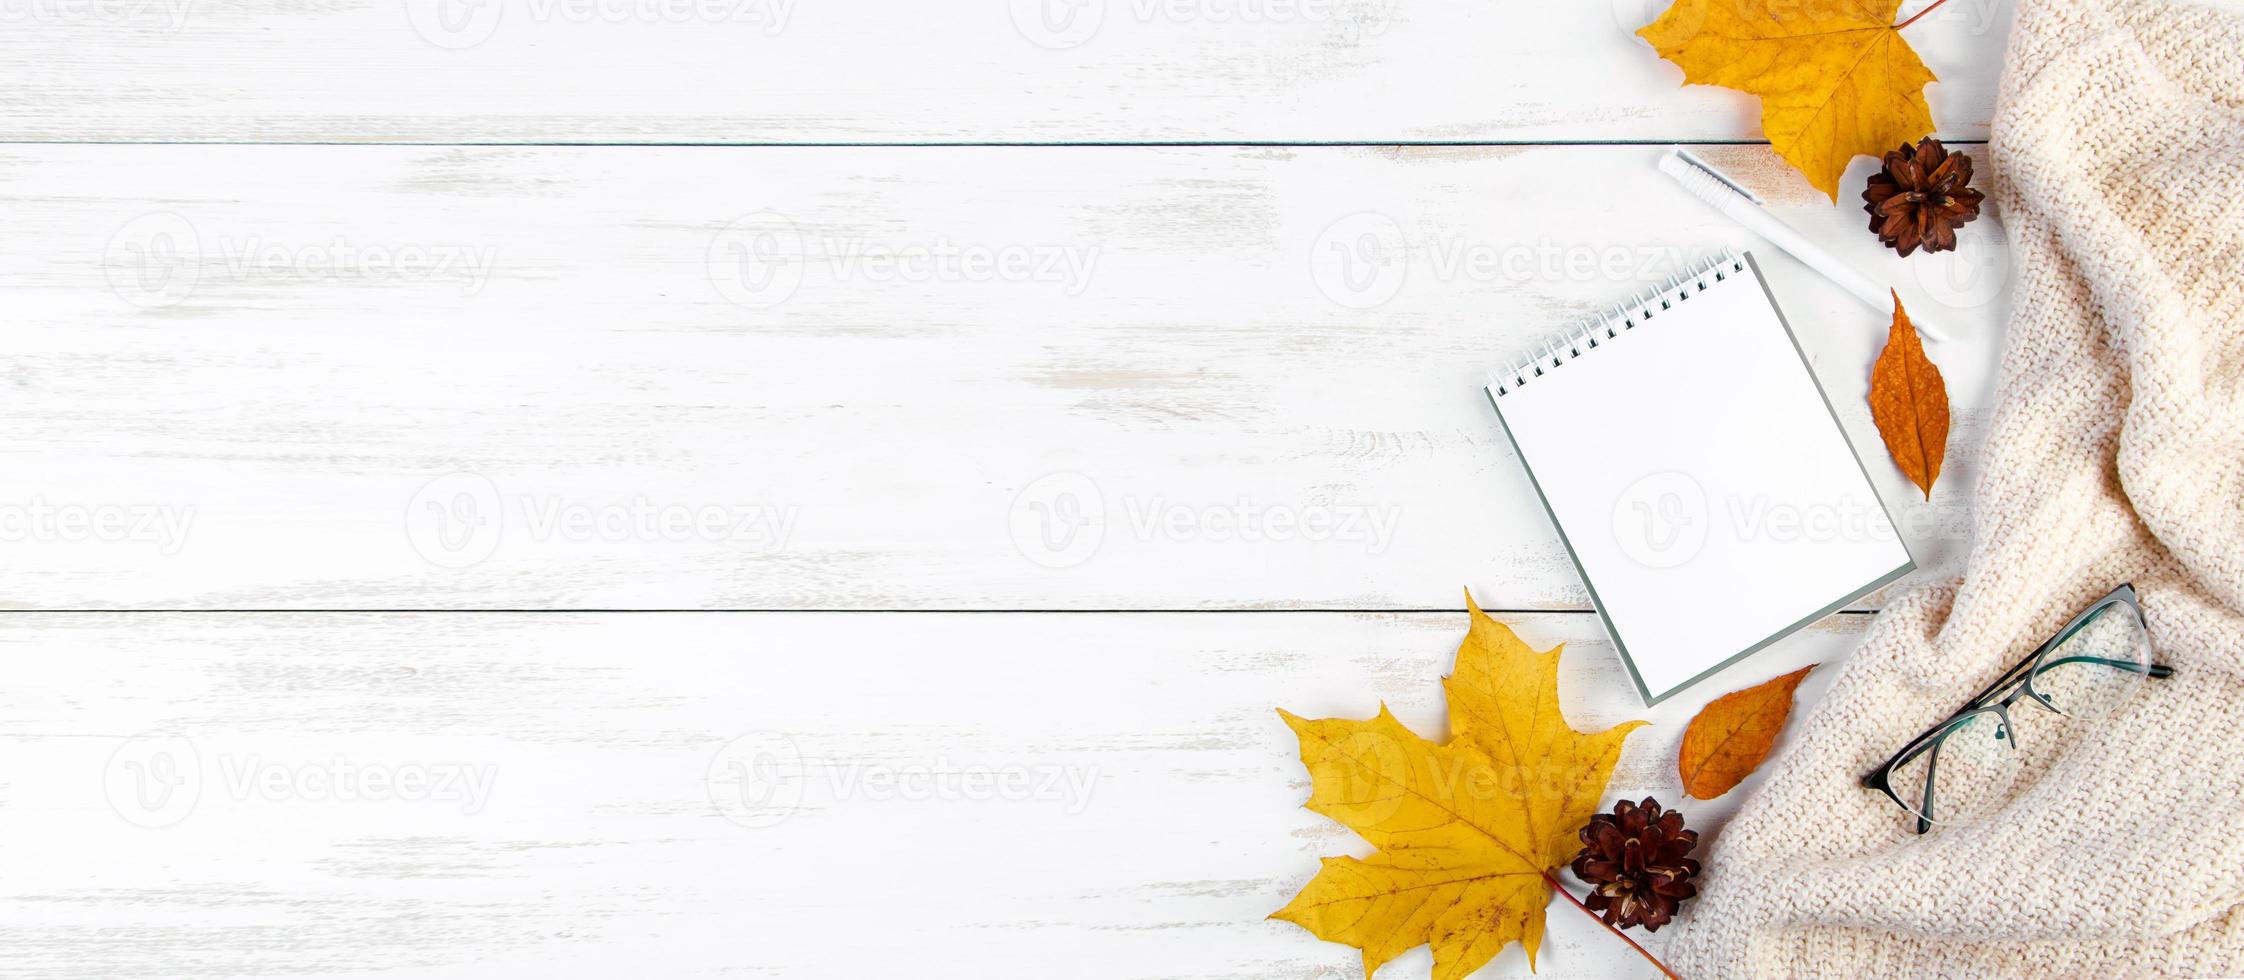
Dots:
pixel 2020 675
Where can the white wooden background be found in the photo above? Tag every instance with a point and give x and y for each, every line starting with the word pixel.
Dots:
pixel 812 487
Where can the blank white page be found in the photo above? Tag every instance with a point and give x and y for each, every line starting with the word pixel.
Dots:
pixel 1700 481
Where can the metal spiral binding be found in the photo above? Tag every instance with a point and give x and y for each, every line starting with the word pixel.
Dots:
pixel 1598 331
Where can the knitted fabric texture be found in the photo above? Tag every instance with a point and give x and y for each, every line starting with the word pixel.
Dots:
pixel 2116 454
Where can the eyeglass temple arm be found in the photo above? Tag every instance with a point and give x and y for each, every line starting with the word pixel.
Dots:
pixel 1877 778
pixel 1914 748
pixel 2153 670
pixel 1881 778
pixel 1932 773
pixel 2123 596
pixel 2025 666
pixel 2008 678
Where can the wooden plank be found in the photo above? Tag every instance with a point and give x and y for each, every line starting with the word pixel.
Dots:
pixel 761 71
pixel 964 378
pixel 935 794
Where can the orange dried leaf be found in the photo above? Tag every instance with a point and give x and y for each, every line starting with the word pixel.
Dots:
pixel 1466 831
pixel 1909 401
pixel 1836 80
pixel 1733 734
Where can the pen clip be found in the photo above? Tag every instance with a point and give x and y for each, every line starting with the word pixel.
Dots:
pixel 1692 158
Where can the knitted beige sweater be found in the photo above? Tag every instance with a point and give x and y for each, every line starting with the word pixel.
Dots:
pixel 2116 455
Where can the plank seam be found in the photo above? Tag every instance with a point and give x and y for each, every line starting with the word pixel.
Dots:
pixel 991 144
pixel 822 610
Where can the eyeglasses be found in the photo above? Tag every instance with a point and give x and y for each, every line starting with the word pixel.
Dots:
pixel 1963 768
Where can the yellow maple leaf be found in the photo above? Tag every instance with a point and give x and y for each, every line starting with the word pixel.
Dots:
pixel 1835 79
pixel 1465 831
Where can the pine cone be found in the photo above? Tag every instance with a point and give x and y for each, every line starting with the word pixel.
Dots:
pixel 1635 860
pixel 1921 197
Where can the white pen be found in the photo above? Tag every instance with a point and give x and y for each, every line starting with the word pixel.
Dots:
pixel 1744 207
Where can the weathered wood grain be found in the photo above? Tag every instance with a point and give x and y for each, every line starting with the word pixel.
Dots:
pixel 554 795
pixel 970 377
pixel 960 378
pixel 763 71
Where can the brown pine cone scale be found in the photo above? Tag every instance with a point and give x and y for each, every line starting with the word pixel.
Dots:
pixel 1921 197
pixel 1636 861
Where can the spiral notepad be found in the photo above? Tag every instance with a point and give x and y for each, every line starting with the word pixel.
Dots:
pixel 1697 476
